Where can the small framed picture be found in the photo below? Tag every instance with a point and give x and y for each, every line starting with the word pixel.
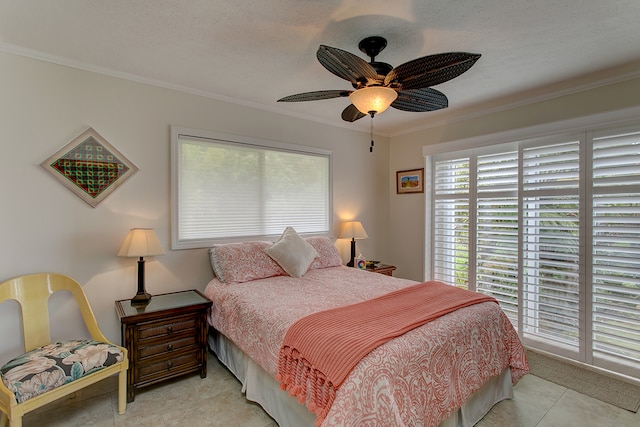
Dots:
pixel 410 181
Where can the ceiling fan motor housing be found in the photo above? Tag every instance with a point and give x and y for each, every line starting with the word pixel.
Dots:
pixel 372 46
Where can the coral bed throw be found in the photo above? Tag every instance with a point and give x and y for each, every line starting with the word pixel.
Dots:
pixel 320 350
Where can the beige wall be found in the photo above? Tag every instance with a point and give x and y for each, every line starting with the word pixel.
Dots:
pixel 45 227
pixel 406 216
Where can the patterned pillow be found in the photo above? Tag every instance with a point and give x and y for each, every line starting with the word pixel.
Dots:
pixel 51 366
pixel 243 261
pixel 328 255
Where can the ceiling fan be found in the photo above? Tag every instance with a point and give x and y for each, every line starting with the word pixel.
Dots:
pixel 379 85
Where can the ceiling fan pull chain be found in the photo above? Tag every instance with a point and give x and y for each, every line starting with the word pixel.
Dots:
pixel 371 147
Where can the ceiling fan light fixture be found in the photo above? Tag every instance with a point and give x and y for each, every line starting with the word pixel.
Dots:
pixel 374 99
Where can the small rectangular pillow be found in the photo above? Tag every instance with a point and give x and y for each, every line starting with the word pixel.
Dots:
pixel 243 261
pixel 328 255
pixel 292 252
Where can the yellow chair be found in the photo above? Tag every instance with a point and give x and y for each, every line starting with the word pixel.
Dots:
pixel 49 371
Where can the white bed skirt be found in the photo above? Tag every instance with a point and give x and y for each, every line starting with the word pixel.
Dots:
pixel 262 388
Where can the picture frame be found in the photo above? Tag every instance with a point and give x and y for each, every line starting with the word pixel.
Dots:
pixel 410 181
pixel 90 167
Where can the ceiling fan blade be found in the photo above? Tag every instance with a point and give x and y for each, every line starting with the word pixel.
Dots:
pixel 419 100
pixel 347 65
pixel 351 114
pixel 431 70
pixel 315 96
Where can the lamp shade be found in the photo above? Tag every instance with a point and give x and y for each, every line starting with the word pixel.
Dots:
pixel 352 230
pixel 141 242
pixel 374 99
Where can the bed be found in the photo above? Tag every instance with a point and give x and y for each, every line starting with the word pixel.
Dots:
pixel 449 371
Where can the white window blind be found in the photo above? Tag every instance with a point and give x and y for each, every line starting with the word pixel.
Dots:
pixel 227 190
pixel 551 229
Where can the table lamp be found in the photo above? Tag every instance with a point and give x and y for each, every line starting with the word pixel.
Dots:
pixel 352 230
pixel 141 242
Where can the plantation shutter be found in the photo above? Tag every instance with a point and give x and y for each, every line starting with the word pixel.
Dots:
pixel 451 222
pixel 550 233
pixel 497 229
pixel 616 245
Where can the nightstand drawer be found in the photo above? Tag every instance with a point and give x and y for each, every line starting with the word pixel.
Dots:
pixel 169 347
pixel 167 368
pixel 164 329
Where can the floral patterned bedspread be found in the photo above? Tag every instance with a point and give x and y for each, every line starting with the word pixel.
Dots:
pixel 417 379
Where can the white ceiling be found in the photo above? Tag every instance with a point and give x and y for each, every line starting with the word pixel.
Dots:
pixel 253 52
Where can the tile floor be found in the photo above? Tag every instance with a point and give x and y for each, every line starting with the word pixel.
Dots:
pixel 217 401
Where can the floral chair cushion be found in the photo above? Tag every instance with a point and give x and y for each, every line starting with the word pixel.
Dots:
pixel 46 368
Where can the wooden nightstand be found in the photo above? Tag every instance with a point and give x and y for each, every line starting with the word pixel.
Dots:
pixel 385 269
pixel 165 338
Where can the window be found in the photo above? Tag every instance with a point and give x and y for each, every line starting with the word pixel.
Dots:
pixel 551 228
pixel 227 188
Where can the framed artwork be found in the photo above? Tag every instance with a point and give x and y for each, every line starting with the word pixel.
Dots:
pixel 90 167
pixel 410 181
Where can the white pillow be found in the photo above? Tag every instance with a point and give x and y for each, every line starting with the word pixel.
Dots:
pixel 292 253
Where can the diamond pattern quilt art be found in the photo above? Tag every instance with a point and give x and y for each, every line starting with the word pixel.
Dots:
pixel 90 167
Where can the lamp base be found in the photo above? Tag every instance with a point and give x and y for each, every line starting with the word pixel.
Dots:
pixel 142 296
pixel 141 299
pixel 351 263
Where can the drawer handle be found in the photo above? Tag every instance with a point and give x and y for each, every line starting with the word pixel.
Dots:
pixel 169 365
pixel 170 347
pixel 169 329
